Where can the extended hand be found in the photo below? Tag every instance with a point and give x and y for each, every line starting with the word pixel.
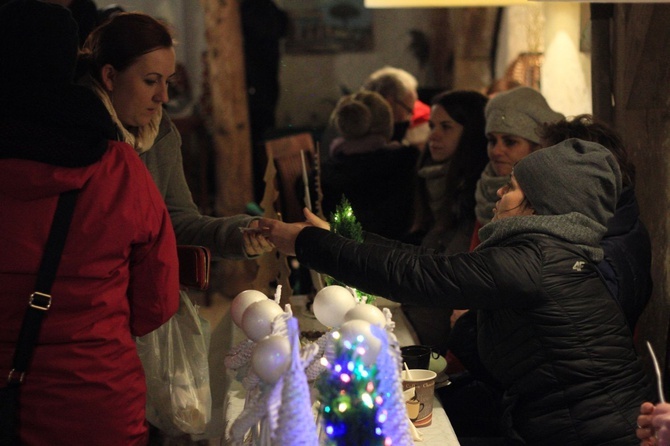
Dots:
pixel 650 417
pixel 315 220
pixel 255 242
pixel 661 422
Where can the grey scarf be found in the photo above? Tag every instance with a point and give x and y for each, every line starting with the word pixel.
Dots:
pixel 436 188
pixel 485 194
pixel 574 228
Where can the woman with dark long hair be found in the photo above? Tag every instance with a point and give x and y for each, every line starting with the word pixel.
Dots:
pixel 449 170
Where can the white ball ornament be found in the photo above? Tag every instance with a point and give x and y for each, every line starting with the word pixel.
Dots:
pixel 258 317
pixel 242 301
pixel 368 313
pixel 359 334
pixel 271 357
pixel 331 304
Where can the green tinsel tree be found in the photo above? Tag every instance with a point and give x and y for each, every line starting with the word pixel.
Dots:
pixel 343 222
pixel 349 401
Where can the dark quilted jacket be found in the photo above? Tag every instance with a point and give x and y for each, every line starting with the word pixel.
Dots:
pixel 549 330
pixel 627 264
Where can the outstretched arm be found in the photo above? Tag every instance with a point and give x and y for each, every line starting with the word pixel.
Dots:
pixel 282 235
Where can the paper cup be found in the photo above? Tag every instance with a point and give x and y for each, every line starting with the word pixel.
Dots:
pixel 419 402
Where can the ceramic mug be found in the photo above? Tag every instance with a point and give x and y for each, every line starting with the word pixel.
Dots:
pixel 417 356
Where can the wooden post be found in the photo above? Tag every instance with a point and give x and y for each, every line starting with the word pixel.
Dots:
pixel 230 116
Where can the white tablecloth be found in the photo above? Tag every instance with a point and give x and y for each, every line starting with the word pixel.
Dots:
pixel 439 432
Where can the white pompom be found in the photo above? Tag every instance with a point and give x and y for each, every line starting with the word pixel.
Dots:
pixel 331 304
pixel 271 357
pixel 258 317
pixel 359 334
pixel 242 301
pixel 366 312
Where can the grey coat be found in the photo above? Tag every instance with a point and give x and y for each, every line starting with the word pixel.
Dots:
pixel 164 161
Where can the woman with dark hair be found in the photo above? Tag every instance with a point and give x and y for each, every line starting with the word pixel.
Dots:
pixel 627 263
pixel 129 62
pixel 448 172
pixel 450 168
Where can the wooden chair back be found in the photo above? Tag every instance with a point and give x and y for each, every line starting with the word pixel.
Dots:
pixel 285 152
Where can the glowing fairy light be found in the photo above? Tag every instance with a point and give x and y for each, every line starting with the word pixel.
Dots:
pixel 342 407
pixel 367 400
pixel 351 366
pixel 337 368
pixel 360 350
pixel 345 378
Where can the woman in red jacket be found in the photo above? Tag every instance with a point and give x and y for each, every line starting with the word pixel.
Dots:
pixel 118 275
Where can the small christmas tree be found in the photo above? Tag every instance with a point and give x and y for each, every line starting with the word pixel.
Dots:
pixel 343 222
pixel 349 399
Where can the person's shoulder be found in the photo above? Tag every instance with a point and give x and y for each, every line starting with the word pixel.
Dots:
pixel 166 125
pixel 168 139
pixel 121 153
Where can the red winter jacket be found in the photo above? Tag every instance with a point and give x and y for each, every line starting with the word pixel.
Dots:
pixel 118 277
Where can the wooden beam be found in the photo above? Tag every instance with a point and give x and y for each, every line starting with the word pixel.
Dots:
pixel 230 116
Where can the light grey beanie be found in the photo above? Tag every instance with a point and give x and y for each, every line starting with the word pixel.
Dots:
pixel 520 111
pixel 572 176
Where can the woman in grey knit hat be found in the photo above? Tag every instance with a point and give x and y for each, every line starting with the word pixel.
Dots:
pixel 513 121
pixel 549 331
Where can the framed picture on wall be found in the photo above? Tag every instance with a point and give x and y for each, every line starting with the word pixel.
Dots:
pixel 328 26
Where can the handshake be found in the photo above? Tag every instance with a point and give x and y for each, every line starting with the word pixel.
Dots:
pixel 265 234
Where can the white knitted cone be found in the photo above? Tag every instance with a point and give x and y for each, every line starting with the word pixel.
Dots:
pixel 315 368
pixel 296 420
pixel 389 386
pixel 239 356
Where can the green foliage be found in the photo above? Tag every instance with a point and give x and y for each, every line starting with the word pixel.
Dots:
pixel 343 222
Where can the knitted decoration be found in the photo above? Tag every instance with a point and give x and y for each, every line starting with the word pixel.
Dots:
pixel 260 406
pixel 396 426
pixel 296 422
pixel 315 368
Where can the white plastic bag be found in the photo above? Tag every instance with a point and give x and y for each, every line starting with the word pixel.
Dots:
pixel 177 372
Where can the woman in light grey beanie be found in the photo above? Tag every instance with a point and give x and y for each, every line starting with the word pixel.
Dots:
pixel 513 121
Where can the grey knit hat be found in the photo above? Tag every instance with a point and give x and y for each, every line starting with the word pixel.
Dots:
pixel 519 111
pixel 572 176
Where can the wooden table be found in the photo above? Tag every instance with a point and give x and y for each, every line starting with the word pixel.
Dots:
pixel 440 432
